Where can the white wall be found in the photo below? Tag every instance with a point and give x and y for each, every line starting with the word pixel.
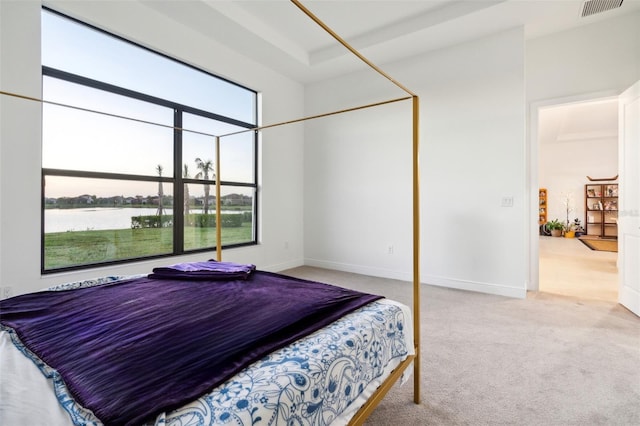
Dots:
pixel 19 147
pixel 472 126
pixel 358 192
pixel 595 58
pixel 20 153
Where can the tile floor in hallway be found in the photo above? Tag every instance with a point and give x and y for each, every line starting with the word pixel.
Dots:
pixel 569 268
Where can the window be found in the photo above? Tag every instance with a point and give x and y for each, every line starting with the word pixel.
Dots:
pixel 130 171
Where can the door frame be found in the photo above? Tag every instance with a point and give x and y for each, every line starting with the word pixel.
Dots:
pixel 533 164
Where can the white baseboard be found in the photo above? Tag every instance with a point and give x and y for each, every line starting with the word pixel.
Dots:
pixel 360 269
pixel 479 287
pixel 489 288
pixel 283 266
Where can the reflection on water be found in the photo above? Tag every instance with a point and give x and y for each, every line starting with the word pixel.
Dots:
pixel 63 220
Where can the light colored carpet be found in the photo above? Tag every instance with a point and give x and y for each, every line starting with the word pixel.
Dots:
pixel 491 360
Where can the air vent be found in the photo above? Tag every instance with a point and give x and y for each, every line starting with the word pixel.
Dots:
pixel 591 7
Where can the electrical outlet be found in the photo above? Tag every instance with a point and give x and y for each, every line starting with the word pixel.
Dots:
pixel 390 249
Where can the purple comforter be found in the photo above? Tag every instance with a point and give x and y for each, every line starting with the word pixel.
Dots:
pixel 129 351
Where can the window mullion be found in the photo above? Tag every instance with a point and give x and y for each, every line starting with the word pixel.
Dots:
pixel 178 190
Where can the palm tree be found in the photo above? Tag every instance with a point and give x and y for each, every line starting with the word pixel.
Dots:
pixel 205 167
pixel 160 191
pixel 185 174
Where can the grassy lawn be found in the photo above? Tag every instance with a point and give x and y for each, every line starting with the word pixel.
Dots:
pixel 75 248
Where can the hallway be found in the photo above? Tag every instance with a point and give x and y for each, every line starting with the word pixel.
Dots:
pixel 569 268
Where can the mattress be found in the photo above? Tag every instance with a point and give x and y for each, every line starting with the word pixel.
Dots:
pixel 323 378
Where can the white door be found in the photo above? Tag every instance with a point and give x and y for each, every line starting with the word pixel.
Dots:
pixel 629 199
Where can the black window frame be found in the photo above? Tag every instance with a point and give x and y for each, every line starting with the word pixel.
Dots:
pixel 177 180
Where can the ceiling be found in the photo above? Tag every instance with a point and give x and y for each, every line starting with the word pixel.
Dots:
pixel 579 122
pixel 278 34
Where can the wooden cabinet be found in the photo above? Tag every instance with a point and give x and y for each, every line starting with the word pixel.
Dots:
pixel 542 206
pixel 601 208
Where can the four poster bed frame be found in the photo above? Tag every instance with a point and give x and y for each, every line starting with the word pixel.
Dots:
pixel 371 404
pixel 386 385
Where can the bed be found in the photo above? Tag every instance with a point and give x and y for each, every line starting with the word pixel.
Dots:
pixel 323 377
pixel 312 380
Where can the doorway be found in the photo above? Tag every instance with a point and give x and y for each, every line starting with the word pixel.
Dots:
pixel 575 139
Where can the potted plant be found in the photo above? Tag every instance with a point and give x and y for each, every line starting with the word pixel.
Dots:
pixel 577 227
pixel 556 228
pixel 568 205
pixel 569 232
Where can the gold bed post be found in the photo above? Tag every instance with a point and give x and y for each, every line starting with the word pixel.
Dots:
pixel 416 197
pixel 416 249
pixel 218 214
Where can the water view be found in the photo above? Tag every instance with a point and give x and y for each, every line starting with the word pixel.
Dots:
pixel 93 219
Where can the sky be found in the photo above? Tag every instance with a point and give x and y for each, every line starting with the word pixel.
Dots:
pixel 81 140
